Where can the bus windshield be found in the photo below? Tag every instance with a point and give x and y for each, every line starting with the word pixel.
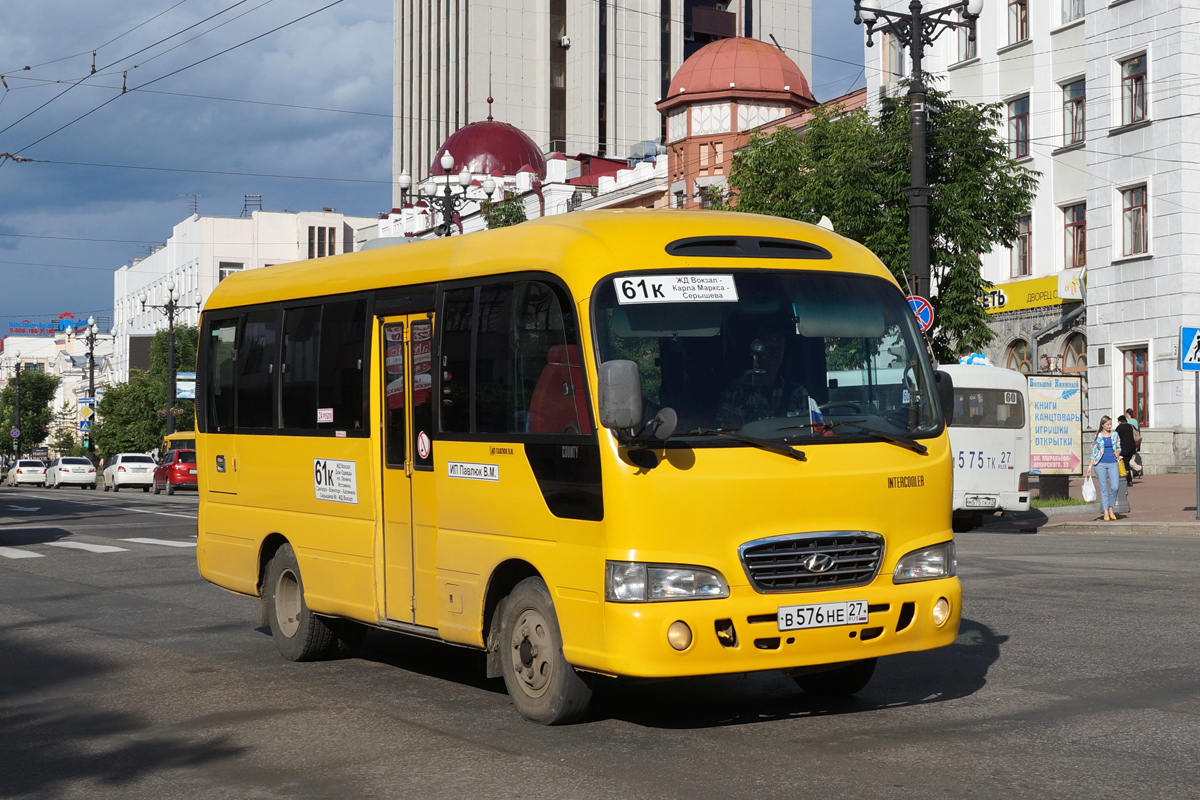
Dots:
pixel 786 355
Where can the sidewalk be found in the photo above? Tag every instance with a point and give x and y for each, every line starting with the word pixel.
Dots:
pixel 1159 504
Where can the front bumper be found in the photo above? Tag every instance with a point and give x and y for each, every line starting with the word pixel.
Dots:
pixel 899 622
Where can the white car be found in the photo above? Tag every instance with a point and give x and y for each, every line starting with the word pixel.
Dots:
pixel 27 471
pixel 71 471
pixel 129 470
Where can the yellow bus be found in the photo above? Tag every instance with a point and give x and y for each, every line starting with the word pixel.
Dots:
pixel 180 440
pixel 622 444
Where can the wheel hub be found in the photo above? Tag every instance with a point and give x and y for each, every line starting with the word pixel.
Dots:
pixel 287 602
pixel 530 643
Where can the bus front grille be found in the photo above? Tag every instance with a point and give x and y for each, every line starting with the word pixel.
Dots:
pixel 806 561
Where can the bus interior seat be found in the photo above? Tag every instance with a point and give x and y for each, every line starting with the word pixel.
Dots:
pixel 558 403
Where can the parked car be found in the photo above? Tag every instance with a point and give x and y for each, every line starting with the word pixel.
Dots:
pixel 129 470
pixel 177 471
pixel 71 471
pixel 27 471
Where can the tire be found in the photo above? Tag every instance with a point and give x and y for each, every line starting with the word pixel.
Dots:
pixel 299 634
pixel 147 489
pixel 840 682
pixel 544 688
pixel 963 524
pixel 116 487
pixel 93 487
pixel 157 489
pixel 106 486
pixel 170 488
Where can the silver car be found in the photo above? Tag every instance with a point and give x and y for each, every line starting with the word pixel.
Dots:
pixel 71 471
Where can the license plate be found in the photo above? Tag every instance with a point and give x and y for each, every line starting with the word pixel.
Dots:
pixel 822 615
pixel 191 472
pixel 77 470
pixel 980 501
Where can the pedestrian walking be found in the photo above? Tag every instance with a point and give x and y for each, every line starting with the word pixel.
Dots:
pixel 1104 463
pixel 1128 446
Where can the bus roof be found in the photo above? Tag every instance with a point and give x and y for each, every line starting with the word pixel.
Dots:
pixel 980 376
pixel 581 247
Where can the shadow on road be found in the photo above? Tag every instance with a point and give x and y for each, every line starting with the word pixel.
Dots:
pixel 16 537
pixel 52 743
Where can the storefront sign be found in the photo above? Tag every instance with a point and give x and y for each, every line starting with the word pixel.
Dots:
pixel 1032 293
pixel 1056 425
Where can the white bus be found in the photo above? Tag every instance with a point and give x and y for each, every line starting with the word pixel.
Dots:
pixel 989 442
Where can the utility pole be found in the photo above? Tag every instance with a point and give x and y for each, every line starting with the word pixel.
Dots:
pixel 171 308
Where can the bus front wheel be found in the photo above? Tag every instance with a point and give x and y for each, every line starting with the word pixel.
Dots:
pixel 544 688
pixel 299 634
pixel 840 682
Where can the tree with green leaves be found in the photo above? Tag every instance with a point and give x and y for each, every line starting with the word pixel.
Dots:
pixel 501 214
pixel 853 168
pixel 132 415
pixel 37 397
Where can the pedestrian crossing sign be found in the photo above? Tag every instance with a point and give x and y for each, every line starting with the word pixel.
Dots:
pixel 1189 349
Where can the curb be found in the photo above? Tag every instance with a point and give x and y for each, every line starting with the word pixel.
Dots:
pixel 1125 528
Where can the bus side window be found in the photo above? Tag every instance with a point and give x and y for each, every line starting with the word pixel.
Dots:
pixel 343 353
pixel 256 374
pixel 298 383
pixel 458 307
pixel 222 337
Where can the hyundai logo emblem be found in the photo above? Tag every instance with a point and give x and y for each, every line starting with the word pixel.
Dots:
pixel 818 562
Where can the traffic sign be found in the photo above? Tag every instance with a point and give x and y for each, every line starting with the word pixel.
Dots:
pixel 1189 349
pixel 86 413
pixel 923 310
pixel 85 425
pixel 15 433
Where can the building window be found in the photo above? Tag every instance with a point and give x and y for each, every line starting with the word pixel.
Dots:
pixel 1018 126
pixel 967 47
pixel 1133 90
pixel 1018 21
pixel 1074 357
pixel 1071 10
pixel 1074 94
pixel 896 64
pixel 227 268
pixel 1018 358
pixel 558 76
pixel 1136 384
pixel 1021 251
pixel 1075 235
pixel 1133 218
pixel 322 241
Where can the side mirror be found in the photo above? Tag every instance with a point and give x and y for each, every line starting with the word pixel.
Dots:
pixel 945 391
pixel 620 395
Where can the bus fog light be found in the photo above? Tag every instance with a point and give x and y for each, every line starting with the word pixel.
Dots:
pixel 679 635
pixel 941 611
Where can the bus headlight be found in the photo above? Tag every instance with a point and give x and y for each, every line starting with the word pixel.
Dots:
pixel 638 582
pixel 927 564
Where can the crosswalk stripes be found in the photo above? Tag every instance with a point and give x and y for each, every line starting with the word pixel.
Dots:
pixel 24 552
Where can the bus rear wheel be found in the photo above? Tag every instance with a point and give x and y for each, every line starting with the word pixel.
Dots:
pixel 299 634
pixel 544 688
pixel 839 682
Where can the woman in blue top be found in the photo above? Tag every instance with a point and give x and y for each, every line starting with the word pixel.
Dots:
pixel 1104 460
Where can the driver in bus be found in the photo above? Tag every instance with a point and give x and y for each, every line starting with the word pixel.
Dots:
pixel 764 391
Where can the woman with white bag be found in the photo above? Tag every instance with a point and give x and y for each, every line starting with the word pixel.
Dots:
pixel 1104 462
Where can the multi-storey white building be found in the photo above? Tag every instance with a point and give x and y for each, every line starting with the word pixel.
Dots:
pixel 1096 98
pixel 203 251
pixel 576 77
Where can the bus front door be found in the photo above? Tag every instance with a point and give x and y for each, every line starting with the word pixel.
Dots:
pixel 407 405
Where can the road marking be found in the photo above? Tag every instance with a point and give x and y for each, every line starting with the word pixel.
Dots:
pixel 166 542
pixel 12 552
pixel 159 513
pixel 119 508
pixel 24 508
pixel 91 548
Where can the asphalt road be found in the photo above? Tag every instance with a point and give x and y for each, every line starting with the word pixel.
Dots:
pixel 123 674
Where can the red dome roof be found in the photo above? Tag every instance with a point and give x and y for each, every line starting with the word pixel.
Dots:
pixel 749 65
pixel 490 146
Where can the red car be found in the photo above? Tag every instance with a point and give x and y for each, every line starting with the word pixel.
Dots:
pixel 177 471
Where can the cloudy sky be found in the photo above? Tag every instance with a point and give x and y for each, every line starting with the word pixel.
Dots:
pixel 311 101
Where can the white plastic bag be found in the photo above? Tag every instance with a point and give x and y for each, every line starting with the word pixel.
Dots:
pixel 1089 490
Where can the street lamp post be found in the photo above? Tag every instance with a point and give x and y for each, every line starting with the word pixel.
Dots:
pixel 171 308
pixel 449 201
pixel 93 331
pixel 917 29
pixel 17 404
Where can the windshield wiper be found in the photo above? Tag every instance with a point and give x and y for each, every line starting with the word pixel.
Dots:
pixel 773 447
pixel 896 439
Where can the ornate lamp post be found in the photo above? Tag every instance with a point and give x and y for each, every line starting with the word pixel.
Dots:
pixel 917 29
pixel 172 307
pixel 93 332
pixel 449 201
pixel 17 404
